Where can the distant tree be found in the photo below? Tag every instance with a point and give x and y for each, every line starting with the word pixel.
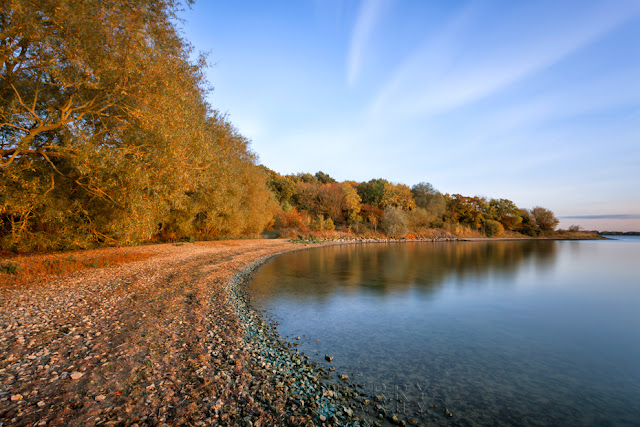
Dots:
pixel 372 214
pixel 304 177
pixel 324 178
pixel 351 202
pixel 430 199
pixel 528 224
pixel 371 192
pixel 506 212
pixel 419 218
pixel 282 187
pixel 544 218
pixel 397 195
pixel 394 222
pixel 493 228
pixel 464 210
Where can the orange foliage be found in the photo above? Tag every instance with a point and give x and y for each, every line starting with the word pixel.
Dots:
pixel 32 267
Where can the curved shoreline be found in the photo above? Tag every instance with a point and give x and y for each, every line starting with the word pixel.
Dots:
pixel 169 337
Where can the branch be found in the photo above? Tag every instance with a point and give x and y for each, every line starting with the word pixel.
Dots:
pixel 32 112
pixel 13 152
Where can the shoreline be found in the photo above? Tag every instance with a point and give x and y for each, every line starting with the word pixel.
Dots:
pixel 170 337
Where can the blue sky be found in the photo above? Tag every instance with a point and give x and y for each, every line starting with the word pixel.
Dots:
pixel 537 102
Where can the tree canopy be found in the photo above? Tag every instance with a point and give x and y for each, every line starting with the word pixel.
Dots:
pixel 105 136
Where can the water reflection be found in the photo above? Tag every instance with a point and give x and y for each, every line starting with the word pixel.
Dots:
pixel 393 268
pixel 502 333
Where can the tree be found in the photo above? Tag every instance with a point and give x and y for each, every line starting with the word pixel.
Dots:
pixel 371 192
pixel 394 222
pixel 493 228
pixel 305 177
pixel 429 199
pixel 351 202
pixel 282 187
pixel 324 178
pixel 397 195
pixel 105 136
pixel 544 218
pixel 506 212
pixel 465 210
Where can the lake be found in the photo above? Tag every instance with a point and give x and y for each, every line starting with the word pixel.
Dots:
pixel 528 332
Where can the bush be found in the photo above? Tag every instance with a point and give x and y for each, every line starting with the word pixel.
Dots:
pixel 322 224
pixel 419 218
pixel 493 228
pixel 9 267
pixel 530 231
pixel 394 222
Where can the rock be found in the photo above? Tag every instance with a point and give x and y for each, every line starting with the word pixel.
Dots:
pixel 447 413
pixel 75 375
pixel 344 377
pixel 327 358
pixel 323 418
pixel 41 404
pixel 16 397
pixel 348 411
pixel 100 397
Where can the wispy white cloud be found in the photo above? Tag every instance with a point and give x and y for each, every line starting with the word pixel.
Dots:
pixel 446 73
pixel 368 16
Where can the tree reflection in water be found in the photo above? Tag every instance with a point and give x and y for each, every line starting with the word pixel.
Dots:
pixel 397 267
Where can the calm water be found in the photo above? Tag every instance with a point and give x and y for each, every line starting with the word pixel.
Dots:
pixel 501 333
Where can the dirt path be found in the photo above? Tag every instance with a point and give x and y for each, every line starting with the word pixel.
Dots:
pixel 150 342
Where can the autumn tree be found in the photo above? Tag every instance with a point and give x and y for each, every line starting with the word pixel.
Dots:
pixel 282 187
pixel 397 195
pixel 104 131
pixel 394 222
pixel 351 202
pixel 544 218
pixel 465 210
pixel 505 212
pixel 304 177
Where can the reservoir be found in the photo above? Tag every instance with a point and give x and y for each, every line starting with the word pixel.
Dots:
pixel 531 332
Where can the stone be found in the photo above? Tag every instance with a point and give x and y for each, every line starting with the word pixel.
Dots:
pixel 75 375
pixel 41 404
pixel 328 358
pixel 16 397
pixel 100 397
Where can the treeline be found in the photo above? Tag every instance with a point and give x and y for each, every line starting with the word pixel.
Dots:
pixel 105 135
pixel 316 203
